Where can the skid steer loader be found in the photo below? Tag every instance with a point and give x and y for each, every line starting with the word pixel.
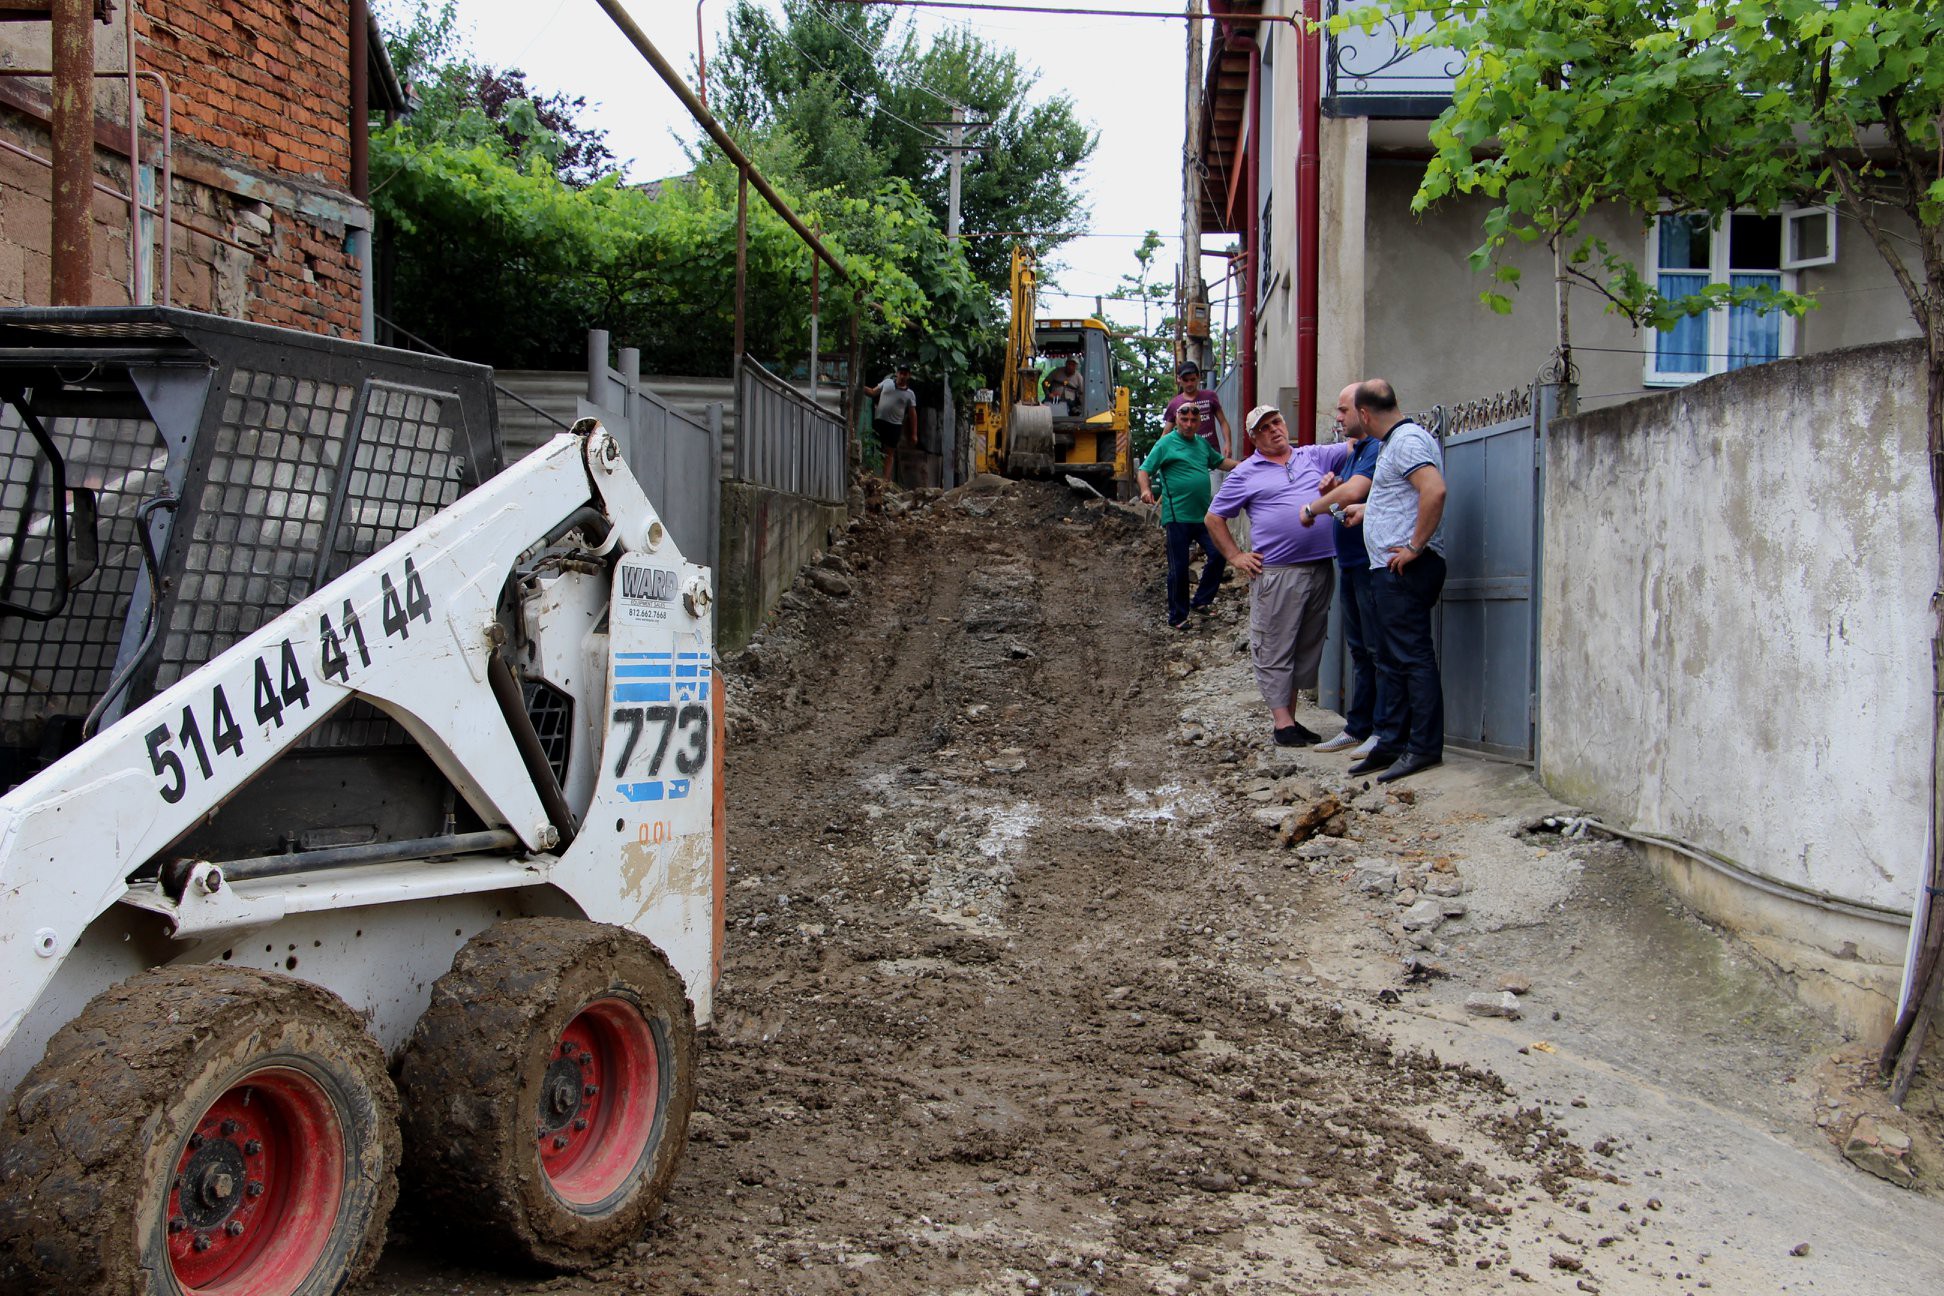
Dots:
pixel 363 832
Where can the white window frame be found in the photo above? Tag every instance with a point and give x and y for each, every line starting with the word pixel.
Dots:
pixel 1718 273
pixel 1792 217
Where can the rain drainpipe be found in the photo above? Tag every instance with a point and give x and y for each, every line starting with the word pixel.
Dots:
pixel 360 239
pixel 1252 237
pixel 1309 215
pixel 71 123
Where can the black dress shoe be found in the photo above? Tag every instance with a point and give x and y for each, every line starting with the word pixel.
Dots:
pixel 1296 735
pixel 1379 758
pixel 1409 765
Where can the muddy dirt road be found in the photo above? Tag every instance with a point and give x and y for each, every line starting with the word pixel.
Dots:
pixel 1021 993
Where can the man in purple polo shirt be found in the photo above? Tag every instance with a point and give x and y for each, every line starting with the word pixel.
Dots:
pixel 1290 569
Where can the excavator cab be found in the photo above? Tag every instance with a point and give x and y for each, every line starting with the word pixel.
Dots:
pixel 1045 418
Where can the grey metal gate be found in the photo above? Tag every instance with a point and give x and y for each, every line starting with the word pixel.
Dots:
pixel 1488 619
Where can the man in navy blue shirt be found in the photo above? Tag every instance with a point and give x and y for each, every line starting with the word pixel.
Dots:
pixel 1359 612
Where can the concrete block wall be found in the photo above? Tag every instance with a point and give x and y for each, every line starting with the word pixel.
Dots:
pixel 767 537
pixel 1735 651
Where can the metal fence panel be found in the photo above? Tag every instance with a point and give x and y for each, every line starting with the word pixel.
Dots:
pixel 673 456
pixel 1489 610
pixel 783 440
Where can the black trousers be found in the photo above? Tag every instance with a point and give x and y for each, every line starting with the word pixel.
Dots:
pixel 1407 658
pixel 1182 537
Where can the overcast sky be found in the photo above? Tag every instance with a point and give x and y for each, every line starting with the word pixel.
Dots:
pixel 1125 77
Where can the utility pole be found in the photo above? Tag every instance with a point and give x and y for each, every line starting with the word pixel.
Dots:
pixel 1189 345
pixel 957 139
pixel 955 148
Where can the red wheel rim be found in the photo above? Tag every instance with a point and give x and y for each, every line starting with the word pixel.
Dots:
pixel 600 1101
pixel 257 1187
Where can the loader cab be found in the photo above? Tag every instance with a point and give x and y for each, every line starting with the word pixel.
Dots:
pixel 1086 341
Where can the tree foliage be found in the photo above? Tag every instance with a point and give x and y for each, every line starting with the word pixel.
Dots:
pixel 1144 355
pixel 463 101
pixel 855 87
pixel 507 264
pixel 1700 106
pixel 506 251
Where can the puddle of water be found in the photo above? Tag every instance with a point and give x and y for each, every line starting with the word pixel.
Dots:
pixel 1006 827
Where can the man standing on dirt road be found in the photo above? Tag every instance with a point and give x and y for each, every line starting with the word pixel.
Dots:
pixel 1403 522
pixel 1179 463
pixel 1289 564
pixel 1368 697
pixel 895 404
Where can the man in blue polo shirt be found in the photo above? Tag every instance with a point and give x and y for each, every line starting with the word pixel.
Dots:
pixel 1366 693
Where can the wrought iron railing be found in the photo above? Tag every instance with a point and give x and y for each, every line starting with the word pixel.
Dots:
pixel 1381 73
pixel 1499 407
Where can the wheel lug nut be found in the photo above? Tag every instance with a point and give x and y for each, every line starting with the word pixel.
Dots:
pixel 591 1090
pixel 252 1148
pixel 580 1122
pixel 234 1228
pixel 202 1242
pixel 177 1224
pixel 253 1189
pixel 560 1141
pixel 231 1126
pixel 195 1141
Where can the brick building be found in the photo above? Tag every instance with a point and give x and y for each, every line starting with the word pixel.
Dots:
pixel 248 126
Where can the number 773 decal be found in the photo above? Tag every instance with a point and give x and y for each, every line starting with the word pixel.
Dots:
pixel 660 734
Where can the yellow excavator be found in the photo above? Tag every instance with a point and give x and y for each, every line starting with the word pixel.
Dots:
pixel 1049 417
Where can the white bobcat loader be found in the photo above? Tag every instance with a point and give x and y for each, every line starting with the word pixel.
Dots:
pixel 363 829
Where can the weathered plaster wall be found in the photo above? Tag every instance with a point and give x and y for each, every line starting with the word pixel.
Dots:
pixel 1734 643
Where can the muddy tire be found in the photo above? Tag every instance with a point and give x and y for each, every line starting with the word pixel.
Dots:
pixel 198 1129
pixel 547 1091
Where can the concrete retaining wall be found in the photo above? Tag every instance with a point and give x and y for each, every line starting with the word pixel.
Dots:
pixel 1735 651
pixel 767 536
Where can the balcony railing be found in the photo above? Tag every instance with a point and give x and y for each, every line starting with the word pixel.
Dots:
pixel 1379 74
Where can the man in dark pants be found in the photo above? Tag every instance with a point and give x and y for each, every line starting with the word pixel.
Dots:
pixel 1403 535
pixel 895 403
pixel 1179 463
pixel 1368 699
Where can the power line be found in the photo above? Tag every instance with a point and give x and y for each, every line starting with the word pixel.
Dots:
pixel 879 102
pixel 851 36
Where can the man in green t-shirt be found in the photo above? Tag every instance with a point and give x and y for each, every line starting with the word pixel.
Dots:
pixel 1177 468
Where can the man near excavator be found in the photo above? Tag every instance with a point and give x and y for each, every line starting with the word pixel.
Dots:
pixel 896 402
pixel 1179 464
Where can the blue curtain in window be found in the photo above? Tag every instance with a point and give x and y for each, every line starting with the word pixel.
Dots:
pixel 1753 339
pixel 1683 349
